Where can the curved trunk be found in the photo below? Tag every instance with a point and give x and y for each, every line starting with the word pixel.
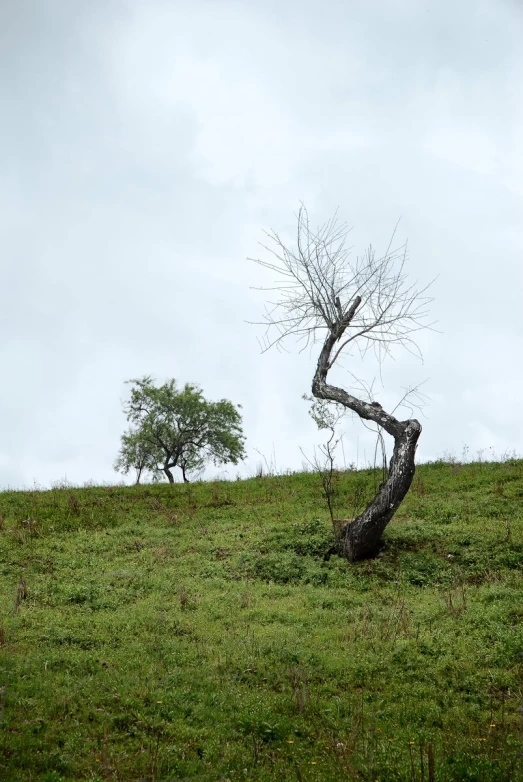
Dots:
pixel 169 474
pixel 360 538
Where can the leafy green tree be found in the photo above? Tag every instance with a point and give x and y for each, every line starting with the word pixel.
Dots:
pixel 172 427
pixel 134 454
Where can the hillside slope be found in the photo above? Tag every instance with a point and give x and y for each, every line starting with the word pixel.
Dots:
pixel 196 632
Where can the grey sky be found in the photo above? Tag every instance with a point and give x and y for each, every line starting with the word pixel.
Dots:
pixel 147 145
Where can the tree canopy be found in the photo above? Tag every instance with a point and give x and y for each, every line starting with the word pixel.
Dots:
pixel 172 427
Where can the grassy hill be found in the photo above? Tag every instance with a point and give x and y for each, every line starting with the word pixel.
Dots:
pixel 196 632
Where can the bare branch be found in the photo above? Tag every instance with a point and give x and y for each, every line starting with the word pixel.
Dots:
pixel 319 284
pixel 324 295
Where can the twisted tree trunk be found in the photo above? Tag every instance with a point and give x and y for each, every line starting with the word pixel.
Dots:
pixel 360 538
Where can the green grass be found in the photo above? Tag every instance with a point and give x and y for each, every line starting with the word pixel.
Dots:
pixel 196 632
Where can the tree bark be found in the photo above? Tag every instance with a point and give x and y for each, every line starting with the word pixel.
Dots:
pixel 169 474
pixel 360 538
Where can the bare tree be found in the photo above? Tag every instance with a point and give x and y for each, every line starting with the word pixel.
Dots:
pixel 324 296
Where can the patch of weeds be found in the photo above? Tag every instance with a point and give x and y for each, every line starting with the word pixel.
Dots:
pixel 52 776
pixel 281 568
pixel 467 766
pixel 168 513
pixel 422 568
pixel 265 730
pixel 220 496
pixel 21 594
pixel 311 538
pixel 187 601
pixel 73 505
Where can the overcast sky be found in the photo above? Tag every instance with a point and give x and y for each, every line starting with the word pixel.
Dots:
pixel 147 145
